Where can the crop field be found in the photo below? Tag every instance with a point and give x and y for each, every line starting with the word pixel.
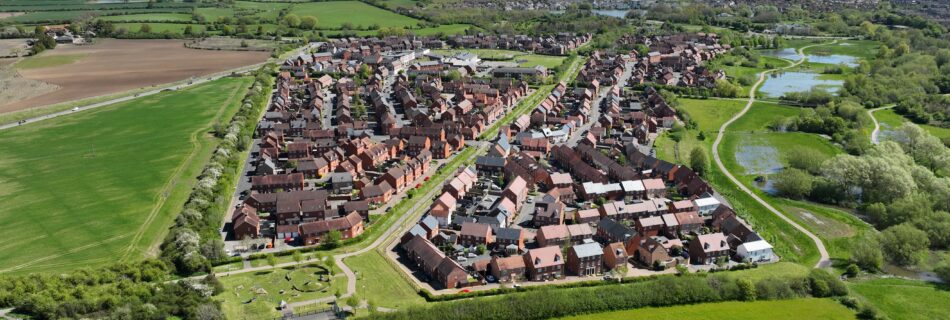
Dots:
pixel 334 14
pixel 113 66
pixel 905 299
pixel 808 308
pixel 103 185
pixel 177 17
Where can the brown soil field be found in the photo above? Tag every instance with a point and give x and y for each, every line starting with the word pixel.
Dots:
pixel 113 66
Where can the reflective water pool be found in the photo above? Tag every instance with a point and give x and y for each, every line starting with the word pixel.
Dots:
pixel 777 85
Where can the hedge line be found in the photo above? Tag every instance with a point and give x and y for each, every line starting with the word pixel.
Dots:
pixel 550 302
pixel 193 242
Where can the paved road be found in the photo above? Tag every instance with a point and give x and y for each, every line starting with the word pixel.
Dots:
pixel 596 107
pixel 824 261
pixel 877 126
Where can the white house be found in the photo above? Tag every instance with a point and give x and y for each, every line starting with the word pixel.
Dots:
pixel 755 251
pixel 706 205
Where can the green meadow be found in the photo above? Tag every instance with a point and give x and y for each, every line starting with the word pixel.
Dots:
pixel 103 185
pixel 334 14
pixel 905 299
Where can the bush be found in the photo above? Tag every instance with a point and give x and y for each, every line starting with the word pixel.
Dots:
pixel 823 284
pixel 793 183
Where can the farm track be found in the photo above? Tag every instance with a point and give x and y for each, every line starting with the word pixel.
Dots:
pixel 824 260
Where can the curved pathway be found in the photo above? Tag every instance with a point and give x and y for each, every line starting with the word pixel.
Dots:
pixel 877 125
pixel 824 261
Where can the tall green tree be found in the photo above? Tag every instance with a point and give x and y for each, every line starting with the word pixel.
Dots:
pixel 903 244
pixel 698 161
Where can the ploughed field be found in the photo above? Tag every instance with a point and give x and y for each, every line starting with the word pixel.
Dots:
pixel 113 66
pixel 103 185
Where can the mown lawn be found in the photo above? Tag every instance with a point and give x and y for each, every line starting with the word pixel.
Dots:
pixel 44 61
pixel 102 185
pixel 808 308
pixel 256 295
pixel 381 283
pixel 710 114
pixel 905 299
pixel 334 14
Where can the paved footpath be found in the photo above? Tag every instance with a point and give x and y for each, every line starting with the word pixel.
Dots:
pixel 824 261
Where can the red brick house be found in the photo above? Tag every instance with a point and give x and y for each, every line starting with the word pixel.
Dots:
pixel 707 248
pixel 278 182
pixel 545 263
pixel 245 223
pixel 507 269
pixel 474 234
pixel 349 226
pixel 615 255
pixel 585 259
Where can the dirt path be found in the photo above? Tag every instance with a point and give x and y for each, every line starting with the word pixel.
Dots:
pixel 877 125
pixel 824 260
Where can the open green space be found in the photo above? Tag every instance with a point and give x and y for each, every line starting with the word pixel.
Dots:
pixel 45 61
pixel 163 17
pixel 160 27
pixel 380 282
pixel 807 308
pixel 103 185
pixel 905 299
pixel 857 48
pixel 710 114
pixel 257 295
pixel 334 14
pixel 890 121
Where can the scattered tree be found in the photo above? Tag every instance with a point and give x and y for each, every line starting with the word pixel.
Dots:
pixel 697 161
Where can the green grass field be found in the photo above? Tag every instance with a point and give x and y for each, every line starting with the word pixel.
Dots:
pixel 381 283
pixel 808 308
pixel 905 299
pixel 890 121
pixel 160 27
pixel 857 48
pixel 334 14
pixel 177 17
pixel 103 185
pixel 44 61
pixel 299 284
